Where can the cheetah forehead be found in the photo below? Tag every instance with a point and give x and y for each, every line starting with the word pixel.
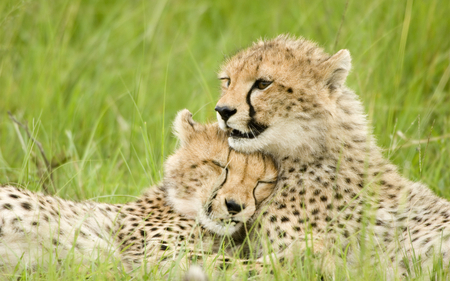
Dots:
pixel 283 50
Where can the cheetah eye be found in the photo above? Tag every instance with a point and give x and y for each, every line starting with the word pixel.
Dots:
pixel 263 189
pixel 226 81
pixel 262 84
pixel 268 181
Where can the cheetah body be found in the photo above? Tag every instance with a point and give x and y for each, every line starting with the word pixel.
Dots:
pixel 286 97
pixel 36 229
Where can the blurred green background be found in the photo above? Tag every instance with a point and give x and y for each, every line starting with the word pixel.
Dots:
pixel 99 82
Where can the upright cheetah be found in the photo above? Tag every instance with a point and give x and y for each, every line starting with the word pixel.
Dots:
pixel 36 229
pixel 286 97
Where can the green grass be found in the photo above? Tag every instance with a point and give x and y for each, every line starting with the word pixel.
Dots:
pixel 99 83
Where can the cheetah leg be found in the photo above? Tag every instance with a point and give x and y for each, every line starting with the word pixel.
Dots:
pixel 198 273
pixel 217 262
pixel 236 265
pixel 324 258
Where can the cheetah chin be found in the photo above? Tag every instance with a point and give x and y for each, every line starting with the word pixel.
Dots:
pixel 227 226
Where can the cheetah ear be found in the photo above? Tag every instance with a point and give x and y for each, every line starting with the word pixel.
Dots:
pixel 184 126
pixel 336 69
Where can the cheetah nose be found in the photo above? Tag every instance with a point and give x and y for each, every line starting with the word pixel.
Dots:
pixel 233 207
pixel 225 112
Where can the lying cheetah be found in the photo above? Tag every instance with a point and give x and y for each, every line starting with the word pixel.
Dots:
pixel 286 97
pixel 36 229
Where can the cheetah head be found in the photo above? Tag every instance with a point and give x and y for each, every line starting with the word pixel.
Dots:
pixel 280 95
pixel 207 180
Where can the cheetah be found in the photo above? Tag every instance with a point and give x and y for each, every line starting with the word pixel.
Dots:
pixel 160 225
pixel 287 98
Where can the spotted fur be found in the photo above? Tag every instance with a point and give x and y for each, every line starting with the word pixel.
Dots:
pixel 36 229
pixel 335 192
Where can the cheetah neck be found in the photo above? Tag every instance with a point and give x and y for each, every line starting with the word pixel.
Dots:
pixel 343 134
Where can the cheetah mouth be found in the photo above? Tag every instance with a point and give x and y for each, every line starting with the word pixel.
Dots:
pixel 231 225
pixel 235 222
pixel 255 130
pixel 222 226
pixel 229 221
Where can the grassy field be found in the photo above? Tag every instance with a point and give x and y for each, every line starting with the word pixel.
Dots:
pixel 99 82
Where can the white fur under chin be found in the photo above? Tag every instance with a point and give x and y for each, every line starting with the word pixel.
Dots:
pixel 281 139
pixel 221 229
